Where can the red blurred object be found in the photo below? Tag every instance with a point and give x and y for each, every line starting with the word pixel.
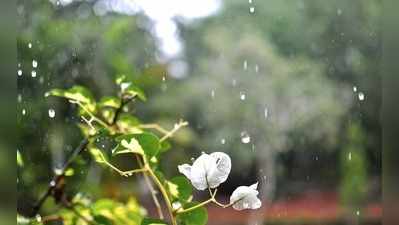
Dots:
pixel 311 206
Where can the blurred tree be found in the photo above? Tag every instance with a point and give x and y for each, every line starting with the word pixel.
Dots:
pixel 353 170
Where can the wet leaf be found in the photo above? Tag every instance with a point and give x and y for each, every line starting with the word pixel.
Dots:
pixel 179 188
pixel 150 221
pixel 198 216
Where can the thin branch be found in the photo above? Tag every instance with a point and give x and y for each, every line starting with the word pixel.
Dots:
pixel 155 127
pixel 58 177
pixel 71 207
pixel 163 192
pixel 96 119
pixel 152 190
pixel 123 173
pixel 196 206
pixel 174 130
pixel 124 101
pixel 51 218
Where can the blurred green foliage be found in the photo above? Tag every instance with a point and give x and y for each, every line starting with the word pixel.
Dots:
pixel 353 169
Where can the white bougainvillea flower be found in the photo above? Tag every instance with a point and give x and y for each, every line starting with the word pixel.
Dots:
pixel 246 197
pixel 208 170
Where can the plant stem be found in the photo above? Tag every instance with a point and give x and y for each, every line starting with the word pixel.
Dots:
pixel 163 191
pixel 152 190
pixel 154 126
pixel 175 128
pixel 124 173
pixel 102 123
pixel 196 206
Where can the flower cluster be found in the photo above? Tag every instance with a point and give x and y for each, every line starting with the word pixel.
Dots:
pixel 210 170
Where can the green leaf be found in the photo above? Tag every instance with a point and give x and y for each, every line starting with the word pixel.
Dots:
pixel 145 143
pixel 69 172
pixel 150 143
pixel 97 154
pixel 77 93
pixel 150 221
pixel 102 220
pixel 135 91
pixel 197 216
pixel 165 146
pixel 179 188
pixel 110 101
pixel 128 144
pixel 128 124
pixel 122 78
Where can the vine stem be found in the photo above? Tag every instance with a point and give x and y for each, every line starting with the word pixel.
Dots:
pixel 173 131
pixel 163 191
pixel 211 200
pixel 152 190
pixel 98 120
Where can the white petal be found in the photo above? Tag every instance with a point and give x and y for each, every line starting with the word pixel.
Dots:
pixel 185 169
pixel 245 197
pixel 219 172
pixel 199 170
pixel 254 186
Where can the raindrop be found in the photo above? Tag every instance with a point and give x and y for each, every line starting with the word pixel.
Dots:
pixel 361 96
pixel 213 93
pixel 243 96
pixel 19 98
pixel 52 183
pixel 34 63
pixel 245 65
pixel 251 10
pixel 245 138
pixel 223 141
pixel 354 89
pixel 29 45
pixel 234 82
pixel 19 72
pixel 33 73
pixel 163 78
pixel 266 113
pixel 256 68
pixel 357 213
pixel 19 65
pixel 339 12
pixel 350 156
pixel 24 112
pixel 192 159
pixel 51 113
pixel 249 1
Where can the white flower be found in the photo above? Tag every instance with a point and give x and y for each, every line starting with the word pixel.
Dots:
pixel 212 170
pixel 246 197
